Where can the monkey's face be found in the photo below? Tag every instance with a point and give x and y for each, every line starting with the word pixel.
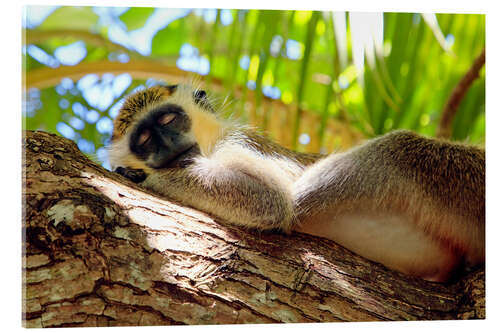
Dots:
pixel 159 128
pixel 162 139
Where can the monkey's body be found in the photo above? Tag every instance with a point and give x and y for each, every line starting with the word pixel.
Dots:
pixel 411 203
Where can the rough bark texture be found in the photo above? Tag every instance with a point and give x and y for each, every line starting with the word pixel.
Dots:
pixel 98 251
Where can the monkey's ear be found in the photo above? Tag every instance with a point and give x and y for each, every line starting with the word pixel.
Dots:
pixel 200 95
pixel 201 98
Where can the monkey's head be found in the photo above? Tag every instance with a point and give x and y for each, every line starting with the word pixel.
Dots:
pixel 163 127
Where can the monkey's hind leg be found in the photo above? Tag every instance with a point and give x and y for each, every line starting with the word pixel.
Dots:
pixel 340 200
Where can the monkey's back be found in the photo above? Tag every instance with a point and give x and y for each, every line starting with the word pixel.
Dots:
pixel 451 174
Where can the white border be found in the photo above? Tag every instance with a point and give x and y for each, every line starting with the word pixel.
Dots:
pixel 11 138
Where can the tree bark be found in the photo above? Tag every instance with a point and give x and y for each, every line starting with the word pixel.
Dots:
pixel 99 251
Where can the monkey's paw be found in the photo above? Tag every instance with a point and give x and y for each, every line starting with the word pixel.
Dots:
pixel 135 175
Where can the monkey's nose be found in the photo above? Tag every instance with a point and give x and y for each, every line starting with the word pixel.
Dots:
pixel 159 159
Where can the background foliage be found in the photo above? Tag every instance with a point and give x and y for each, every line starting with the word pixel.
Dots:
pixel 314 81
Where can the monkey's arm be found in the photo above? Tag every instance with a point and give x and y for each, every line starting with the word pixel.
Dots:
pixel 226 191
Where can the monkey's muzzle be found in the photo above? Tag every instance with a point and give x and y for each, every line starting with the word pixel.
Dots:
pixel 179 158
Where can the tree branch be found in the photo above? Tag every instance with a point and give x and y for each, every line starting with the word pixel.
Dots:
pixel 99 251
pixel 451 108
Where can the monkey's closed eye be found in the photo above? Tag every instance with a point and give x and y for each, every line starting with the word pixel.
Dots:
pixel 166 119
pixel 144 137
